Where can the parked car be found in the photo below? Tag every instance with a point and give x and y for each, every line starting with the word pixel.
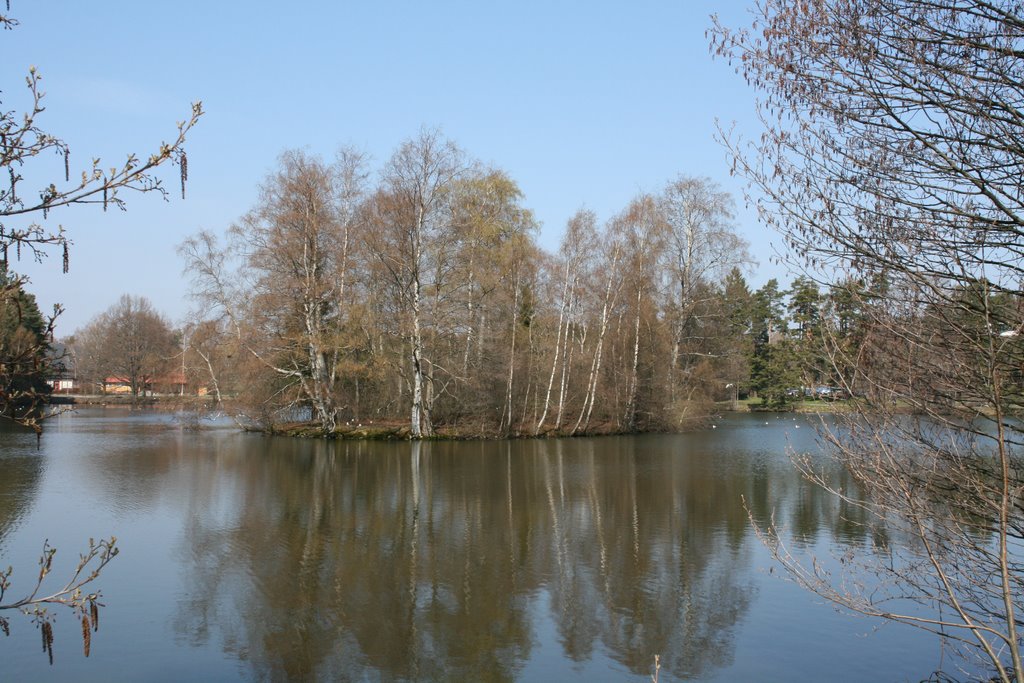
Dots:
pixel 825 393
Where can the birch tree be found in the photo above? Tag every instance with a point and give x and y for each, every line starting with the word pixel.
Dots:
pixel 495 234
pixel 412 219
pixel 609 267
pixel 578 239
pixel 702 247
pixel 643 230
pixel 280 282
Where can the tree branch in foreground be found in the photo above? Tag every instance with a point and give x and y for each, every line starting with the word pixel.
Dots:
pixel 73 594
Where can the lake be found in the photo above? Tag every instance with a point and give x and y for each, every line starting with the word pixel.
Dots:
pixel 245 557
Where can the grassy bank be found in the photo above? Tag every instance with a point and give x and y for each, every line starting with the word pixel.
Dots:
pixel 395 430
pixel 757 405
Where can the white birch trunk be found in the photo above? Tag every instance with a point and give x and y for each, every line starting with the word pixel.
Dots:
pixel 511 359
pixel 567 353
pixel 595 365
pixel 633 375
pixel 558 348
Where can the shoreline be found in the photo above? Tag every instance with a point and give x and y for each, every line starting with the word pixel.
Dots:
pixel 399 430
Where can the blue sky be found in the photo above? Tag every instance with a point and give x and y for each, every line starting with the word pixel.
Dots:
pixel 582 103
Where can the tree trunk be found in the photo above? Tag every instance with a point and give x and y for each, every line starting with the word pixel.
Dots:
pixel 595 365
pixel 631 407
pixel 558 348
pixel 507 410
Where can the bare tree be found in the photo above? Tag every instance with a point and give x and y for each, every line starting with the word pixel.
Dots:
pixel 576 244
pixel 892 153
pixel 279 286
pixel 412 238
pixel 608 267
pixel 643 229
pixel 494 240
pixel 130 342
pixel 702 248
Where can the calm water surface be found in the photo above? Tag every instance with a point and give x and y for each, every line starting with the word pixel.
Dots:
pixel 254 558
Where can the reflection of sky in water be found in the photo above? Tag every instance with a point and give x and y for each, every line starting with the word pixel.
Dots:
pixel 249 557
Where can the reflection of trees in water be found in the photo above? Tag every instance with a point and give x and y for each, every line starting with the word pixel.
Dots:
pixel 343 560
pixel 805 511
pixel 422 561
pixel 649 559
pixel 21 474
